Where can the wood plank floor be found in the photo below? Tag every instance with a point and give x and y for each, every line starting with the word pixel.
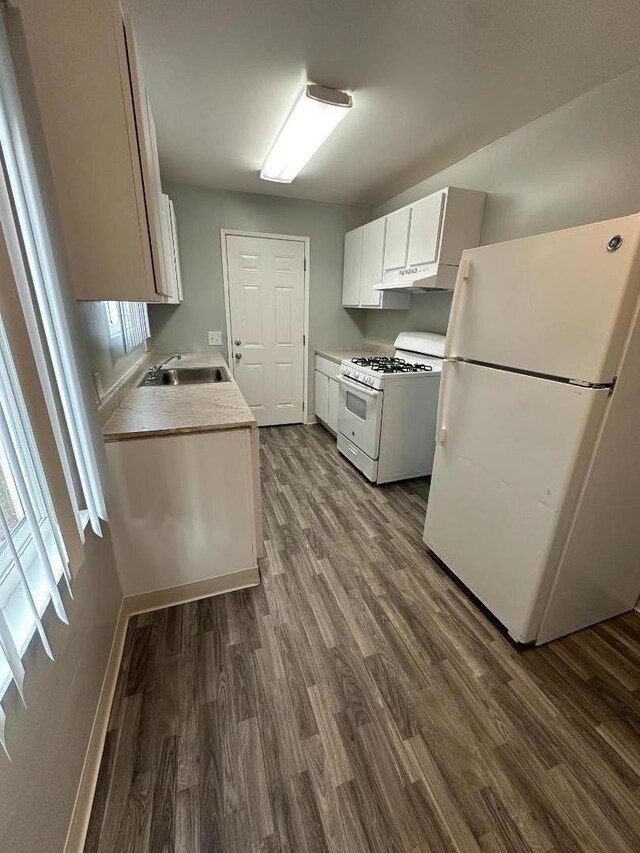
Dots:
pixel 357 700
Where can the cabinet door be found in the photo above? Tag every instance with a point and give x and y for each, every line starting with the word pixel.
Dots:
pixel 176 250
pixel 78 67
pixel 371 270
pixel 146 137
pixel 351 270
pixel 167 246
pixel 395 245
pixel 322 397
pixel 332 418
pixel 424 236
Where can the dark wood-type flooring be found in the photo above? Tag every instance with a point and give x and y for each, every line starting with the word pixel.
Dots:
pixel 358 701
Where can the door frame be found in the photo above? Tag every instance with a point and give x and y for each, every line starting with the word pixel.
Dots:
pixel 238 232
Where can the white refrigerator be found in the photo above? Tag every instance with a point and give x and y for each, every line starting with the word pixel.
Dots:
pixel 535 494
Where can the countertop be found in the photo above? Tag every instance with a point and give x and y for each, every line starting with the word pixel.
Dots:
pixel 162 410
pixel 366 349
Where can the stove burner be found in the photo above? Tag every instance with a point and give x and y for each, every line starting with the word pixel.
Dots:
pixel 381 360
pixel 388 364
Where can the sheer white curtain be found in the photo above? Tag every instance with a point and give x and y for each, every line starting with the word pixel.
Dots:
pixel 41 298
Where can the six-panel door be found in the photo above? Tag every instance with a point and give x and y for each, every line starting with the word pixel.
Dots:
pixel 266 296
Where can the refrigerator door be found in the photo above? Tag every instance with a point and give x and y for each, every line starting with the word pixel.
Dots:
pixel 556 304
pixel 512 453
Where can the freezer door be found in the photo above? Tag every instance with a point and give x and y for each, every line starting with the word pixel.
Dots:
pixel 558 304
pixel 512 452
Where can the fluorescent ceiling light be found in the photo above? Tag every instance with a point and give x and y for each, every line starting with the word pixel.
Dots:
pixel 315 114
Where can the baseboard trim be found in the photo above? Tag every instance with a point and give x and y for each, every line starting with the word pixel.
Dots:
pixel 79 823
pixel 191 591
pixel 130 606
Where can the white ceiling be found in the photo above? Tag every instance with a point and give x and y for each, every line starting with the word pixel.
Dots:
pixel 432 80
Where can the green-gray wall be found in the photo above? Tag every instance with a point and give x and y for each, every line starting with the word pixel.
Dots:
pixel 48 739
pixel 106 355
pixel 574 165
pixel 201 213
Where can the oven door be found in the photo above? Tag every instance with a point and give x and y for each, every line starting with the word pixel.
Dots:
pixel 360 415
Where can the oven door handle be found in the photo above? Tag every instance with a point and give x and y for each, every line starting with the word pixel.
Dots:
pixel 356 386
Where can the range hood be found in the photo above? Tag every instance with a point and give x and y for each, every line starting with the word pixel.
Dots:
pixel 421 278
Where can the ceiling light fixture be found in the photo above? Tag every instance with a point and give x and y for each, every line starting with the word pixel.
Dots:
pixel 316 113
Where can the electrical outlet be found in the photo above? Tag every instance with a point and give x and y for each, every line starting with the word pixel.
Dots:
pixel 215 339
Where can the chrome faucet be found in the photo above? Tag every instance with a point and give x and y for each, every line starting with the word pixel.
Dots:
pixel 158 367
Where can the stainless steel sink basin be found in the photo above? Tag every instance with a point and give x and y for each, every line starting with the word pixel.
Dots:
pixel 185 376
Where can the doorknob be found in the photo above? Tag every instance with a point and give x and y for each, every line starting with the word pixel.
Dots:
pixel 237 355
pixel 237 342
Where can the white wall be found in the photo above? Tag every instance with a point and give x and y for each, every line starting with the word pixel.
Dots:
pixel 577 164
pixel 202 212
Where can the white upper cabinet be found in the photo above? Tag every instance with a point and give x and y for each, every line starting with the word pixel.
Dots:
pixel 351 268
pixel 426 239
pixel 169 244
pixel 146 130
pixel 363 255
pixel 395 248
pixel 100 147
pixel 424 235
pixel 371 271
pixel 176 250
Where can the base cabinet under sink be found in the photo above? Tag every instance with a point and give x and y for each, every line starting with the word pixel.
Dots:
pixel 184 509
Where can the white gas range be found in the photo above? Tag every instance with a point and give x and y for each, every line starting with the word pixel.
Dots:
pixel 388 409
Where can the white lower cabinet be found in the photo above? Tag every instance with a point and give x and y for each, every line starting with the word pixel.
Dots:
pixel 332 417
pixel 322 397
pixel 326 405
pixel 185 510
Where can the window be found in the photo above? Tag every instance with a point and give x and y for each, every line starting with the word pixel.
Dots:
pixel 112 310
pixel 134 320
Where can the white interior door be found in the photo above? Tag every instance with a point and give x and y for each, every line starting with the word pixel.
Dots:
pixel 558 304
pixel 266 300
pixel 515 452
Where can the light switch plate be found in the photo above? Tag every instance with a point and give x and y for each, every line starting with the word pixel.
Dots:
pixel 215 339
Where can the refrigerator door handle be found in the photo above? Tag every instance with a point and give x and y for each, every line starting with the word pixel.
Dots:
pixel 464 271
pixel 445 380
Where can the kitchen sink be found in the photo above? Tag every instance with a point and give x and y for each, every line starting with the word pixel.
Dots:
pixel 185 376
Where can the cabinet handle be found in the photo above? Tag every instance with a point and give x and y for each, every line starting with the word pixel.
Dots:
pixel 237 355
pixel 237 342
